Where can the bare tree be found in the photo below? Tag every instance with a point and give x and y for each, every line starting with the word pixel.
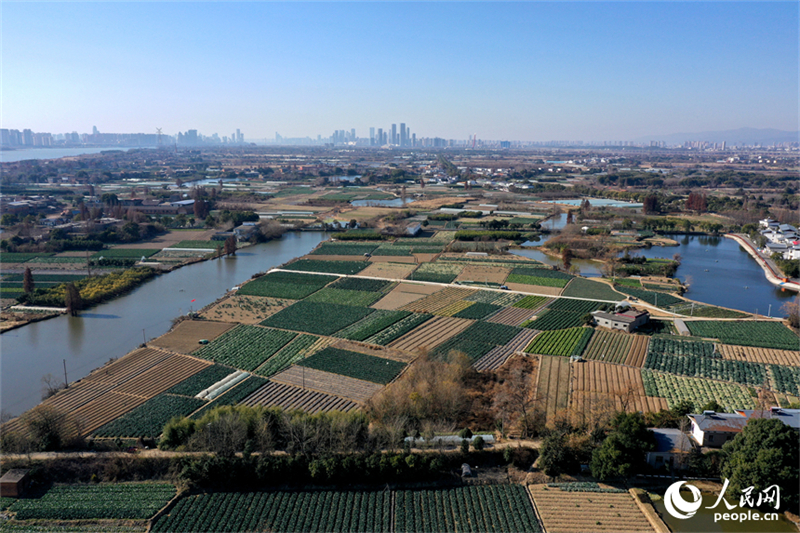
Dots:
pixel 51 385
pixel 27 281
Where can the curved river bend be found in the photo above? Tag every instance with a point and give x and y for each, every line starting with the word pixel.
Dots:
pixel 113 329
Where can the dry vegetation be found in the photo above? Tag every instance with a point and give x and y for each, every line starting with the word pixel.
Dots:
pixel 186 336
pixel 245 309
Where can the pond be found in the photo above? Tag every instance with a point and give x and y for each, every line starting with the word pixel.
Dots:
pixel 597 202
pixel 394 202
pixel 113 329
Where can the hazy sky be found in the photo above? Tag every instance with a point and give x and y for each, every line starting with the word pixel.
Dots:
pixel 528 71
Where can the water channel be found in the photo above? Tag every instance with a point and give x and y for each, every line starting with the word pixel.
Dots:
pixel 113 329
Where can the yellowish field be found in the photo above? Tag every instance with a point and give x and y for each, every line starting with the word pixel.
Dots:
pixel 760 355
pixel 431 334
pixel 438 300
pixel 535 289
pixel 404 294
pixel 245 309
pixel 389 270
pixel 491 274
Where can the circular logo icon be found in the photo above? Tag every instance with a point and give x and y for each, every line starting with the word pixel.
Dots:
pixel 677 506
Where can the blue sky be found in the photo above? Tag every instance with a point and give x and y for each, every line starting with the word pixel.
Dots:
pixel 529 71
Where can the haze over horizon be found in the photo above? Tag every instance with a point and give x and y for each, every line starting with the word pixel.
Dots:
pixel 523 71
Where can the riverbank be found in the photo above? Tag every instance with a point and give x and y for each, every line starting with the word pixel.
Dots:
pixel 769 271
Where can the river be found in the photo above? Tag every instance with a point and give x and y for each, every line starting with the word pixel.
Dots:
pixel 11 156
pixel 112 329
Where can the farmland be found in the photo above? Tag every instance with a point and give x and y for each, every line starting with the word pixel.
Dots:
pixel 149 418
pixel 388 270
pixel 438 272
pixel 289 285
pixel 603 388
pixel 355 365
pixel 288 397
pixel 706 367
pixel 617 348
pixel 511 316
pixel 500 298
pixel 438 300
pixel 245 347
pixel 761 334
pixel 678 346
pixel 538 276
pixel 398 329
pixel 553 386
pixel 484 274
pixel 502 508
pixel 584 288
pixel 355 390
pixel 498 355
pixel 288 355
pixel 361 284
pixel 372 324
pixel 564 313
pixel 105 500
pixel 344 248
pixel 760 355
pixel 561 342
pixel 184 337
pixel 454 308
pixel 532 303
pixel 576 512
pixel 477 311
pixel 332 267
pixel 126 253
pixel 697 390
pixel 192 386
pixel 431 333
pixel 344 297
pixel 318 318
pixel 477 340
pixel 785 379
pixel 328 511
pixel 233 395
pixel 242 309
pixel 199 244
pixel 659 299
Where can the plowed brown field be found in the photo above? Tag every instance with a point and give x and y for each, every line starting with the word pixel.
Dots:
pixel 288 397
pixel 384 352
pixel 245 309
pixel 491 274
pixel 185 337
pixel 393 270
pixel 535 289
pixel 353 389
pixel 431 333
pixel 579 512
pixel 603 387
pixel 438 300
pixel 511 316
pixel 128 366
pixel 404 294
pixel 553 386
pixel 760 355
pixel 500 354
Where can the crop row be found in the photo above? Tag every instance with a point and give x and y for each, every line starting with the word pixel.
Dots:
pixel 18 257
pixel 786 379
pixel 287 355
pixel 328 511
pixel 132 253
pixel 344 248
pixel 705 311
pixel 436 272
pixel 344 297
pixel 407 249
pixel 541 273
pixel 561 342
pixel 333 267
pixel 707 367
pixel 580 307
pixel 362 284
pixel 318 318
pixel 503 299
pixel 372 324
pixel 552 319
pixel 659 299
pixel 148 419
pixel 676 346
pixel 497 508
pixel 354 364
pixel 746 333
pixel 477 340
pixel 245 347
pixel 453 308
pixel 290 285
pixel 530 302
pixel 477 311
pixel 96 501
pixel 232 396
pixel 199 244
pixel 583 486
pixel 536 280
pixel 699 391
pixel 192 385
pixel 398 329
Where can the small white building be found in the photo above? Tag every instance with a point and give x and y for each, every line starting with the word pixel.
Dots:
pixel 712 429
pixel 672 448
pixel 626 321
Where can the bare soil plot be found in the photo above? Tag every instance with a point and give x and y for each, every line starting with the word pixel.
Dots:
pixel 438 300
pixel 407 259
pixel 511 316
pixel 353 389
pixel 404 294
pixel 389 270
pixel 431 333
pixel 500 354
pixel 242 309
pixel 535 289
pixel 603 387
pixel 163 376
pixel 172 238
pixel 104 409
pixel 454 308
pixel 186 336
pixel 424 258
pixel 759 355
pixel 638 351
pixel 578 512
pixel 128 366
pixel 376 351
pixel 331 258
pixel 288 397
pixel 481 273
pixel 553 386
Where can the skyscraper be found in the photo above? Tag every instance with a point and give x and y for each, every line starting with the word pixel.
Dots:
pixel 394 134
pixel 403 134
pixel 380 137
pixel 372 136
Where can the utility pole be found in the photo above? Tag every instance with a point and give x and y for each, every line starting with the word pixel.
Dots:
pixel 66 383
pixel 144 339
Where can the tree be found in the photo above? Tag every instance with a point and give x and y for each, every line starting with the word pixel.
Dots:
pixel 201 208
pixel 566 257
pixel 764 454
pixel 27 281
pixel 623 451
pixel 792 310
pixel 230 245
pixel 554 458
pixel 650 204
pixel 72 299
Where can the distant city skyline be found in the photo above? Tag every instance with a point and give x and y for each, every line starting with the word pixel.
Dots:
pixel 517 71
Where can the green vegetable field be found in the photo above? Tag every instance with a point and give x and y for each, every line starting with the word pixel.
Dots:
pixel 291 285
pixel 318 318
pixel 354 364
pixel 245 347
pixel 372 324
pixel 332 267
pixel 192 385
pixel 763 334
pixel 287 355
pixel 344 297
pixel 344 248
pixel 561 342
pixel 398 329
pixel 697 390
pixel 148 419
pixel 104 500
pixel 585 288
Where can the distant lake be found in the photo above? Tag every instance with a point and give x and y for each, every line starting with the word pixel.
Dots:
pixel 11 156
pixel 394 202
pixel 597 202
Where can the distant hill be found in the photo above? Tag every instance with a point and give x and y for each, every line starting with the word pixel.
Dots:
pixel 740 136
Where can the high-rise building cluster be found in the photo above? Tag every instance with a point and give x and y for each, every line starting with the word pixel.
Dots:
pixel 11 138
